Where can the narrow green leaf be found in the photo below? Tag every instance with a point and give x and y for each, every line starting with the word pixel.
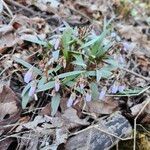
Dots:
pixel 106 24
pixel 98 75
pixel 34 39
pixel 26 88
pixel 104 49
pixel 72 73
pixel 46 86
pixel 55 103
pixel 57 68
pixel 90 73
pixel 79 61
pixel 132 91
pixel 90 42
pixel 105 72
pixel 27 65
pixel 41 82
pixel 25 100
pixel 71 84
pixel 66 38
pixel 94 90
pixel 98 38
pixel 68 79
pixel 55 55
pixel 113 62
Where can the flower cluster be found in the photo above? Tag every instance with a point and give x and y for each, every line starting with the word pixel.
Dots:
pixel 116 87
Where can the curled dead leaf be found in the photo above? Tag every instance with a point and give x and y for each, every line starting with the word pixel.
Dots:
pixel 10 107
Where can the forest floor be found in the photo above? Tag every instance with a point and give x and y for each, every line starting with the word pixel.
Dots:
pixel 69 68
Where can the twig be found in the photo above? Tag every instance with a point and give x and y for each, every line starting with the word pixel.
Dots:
pixel 21 6
pixel 143 128
pixel 136 74
pixel 134 134
pixel 9 11
pixel 97 127
pixel 27 9
pixel 80 13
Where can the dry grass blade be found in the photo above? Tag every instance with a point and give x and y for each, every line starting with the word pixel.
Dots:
pixel 8 9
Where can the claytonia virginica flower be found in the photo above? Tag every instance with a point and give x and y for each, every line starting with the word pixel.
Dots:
pixel 121 59
pixel 102 93
pixel 88 97
pixel 114 88
pixel 126 46
pixel 71 99
pixel 82 86
pixel 57 85
pixel 33 88
pixel 121 88
pixel 29 75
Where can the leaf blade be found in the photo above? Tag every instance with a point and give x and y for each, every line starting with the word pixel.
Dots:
pixel 55 103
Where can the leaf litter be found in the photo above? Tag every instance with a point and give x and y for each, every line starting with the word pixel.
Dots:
pixel 97 51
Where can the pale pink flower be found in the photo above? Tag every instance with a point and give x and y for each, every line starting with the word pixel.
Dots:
pixel 57 42
pixel 82 86
pixel 71 100
pixel 33 88
pixel 121 88
pixel 29 75
pixel 114 88
pixel 57 85
pixel 88 97
pixel 126 46
pixel 121 59
pixel 102 93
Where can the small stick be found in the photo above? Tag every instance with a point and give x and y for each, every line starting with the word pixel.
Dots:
pixel 8 9
pixel 97 127
pixel 21 6
pixel 136 74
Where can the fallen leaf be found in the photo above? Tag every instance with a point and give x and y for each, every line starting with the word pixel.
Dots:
pixel 101 107
pixel 10 107
pixel 13 39
pixel 33 124
pixel 71 115
pixel 139 39
pixel 46 110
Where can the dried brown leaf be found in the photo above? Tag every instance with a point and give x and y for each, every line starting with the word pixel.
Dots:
pixel 101 107
pixel 71 115
pixel 9 106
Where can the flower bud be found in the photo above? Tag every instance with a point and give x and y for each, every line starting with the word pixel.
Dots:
pixel 82 86
pixel 102 93
pixel 121 59
pixel 114 88
pixel 71 99
pixel 29 75
pixel 57 85
pixel 88 97
pixel 33 88
pixel 121 88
